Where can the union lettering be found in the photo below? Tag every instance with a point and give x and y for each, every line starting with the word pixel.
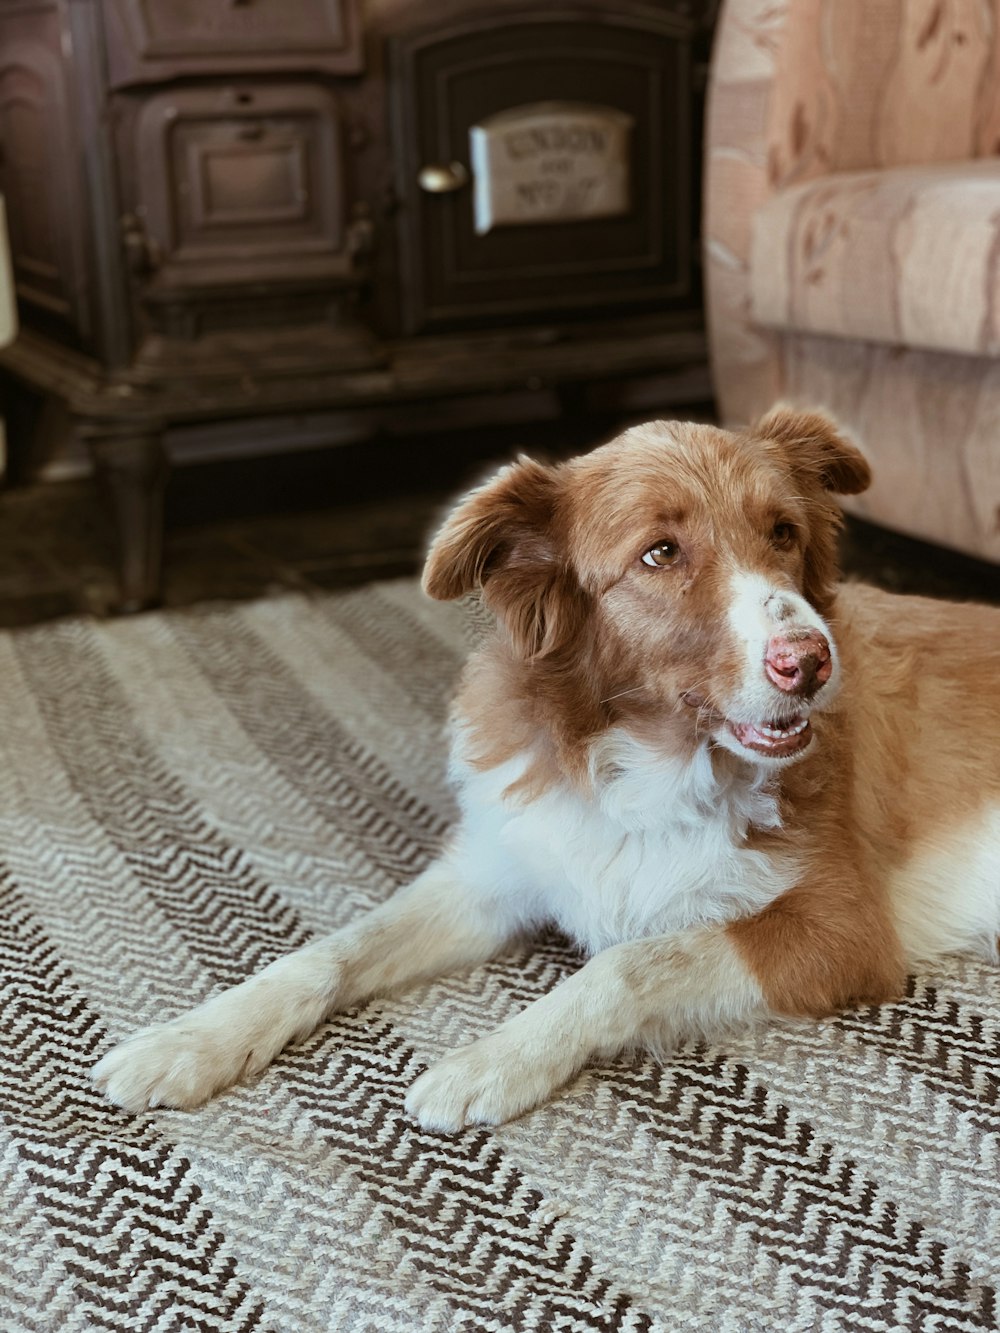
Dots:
pixel 565 138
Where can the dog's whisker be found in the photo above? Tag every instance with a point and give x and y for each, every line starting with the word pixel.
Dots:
pixel 703 720
pixel 634 690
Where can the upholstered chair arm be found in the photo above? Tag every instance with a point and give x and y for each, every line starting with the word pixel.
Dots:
pixel 802 88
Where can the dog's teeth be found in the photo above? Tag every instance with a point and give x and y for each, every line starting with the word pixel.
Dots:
pixel 783 733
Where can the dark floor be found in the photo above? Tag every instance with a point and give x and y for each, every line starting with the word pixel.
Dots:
pixel 329 520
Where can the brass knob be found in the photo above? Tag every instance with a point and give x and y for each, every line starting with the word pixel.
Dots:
pixel 438 179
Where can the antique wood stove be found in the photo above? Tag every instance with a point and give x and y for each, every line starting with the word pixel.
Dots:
pixel 225 213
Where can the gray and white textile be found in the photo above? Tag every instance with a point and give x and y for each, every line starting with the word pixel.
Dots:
pixel 185 795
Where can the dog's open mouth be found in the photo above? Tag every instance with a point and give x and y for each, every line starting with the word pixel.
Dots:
pixel 777 739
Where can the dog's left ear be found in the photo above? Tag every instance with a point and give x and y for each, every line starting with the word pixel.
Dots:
pixel 501 539
pixel 815 443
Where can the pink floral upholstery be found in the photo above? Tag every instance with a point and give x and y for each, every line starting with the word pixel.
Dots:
pixel 910 255
pixel 853 240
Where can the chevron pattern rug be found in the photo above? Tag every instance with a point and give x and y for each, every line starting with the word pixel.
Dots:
pixel 184 796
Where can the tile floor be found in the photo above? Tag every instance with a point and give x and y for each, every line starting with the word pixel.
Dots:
pixel 328 520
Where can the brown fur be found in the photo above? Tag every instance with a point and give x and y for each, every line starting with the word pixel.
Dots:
pixel 582 648
pixel 588 641
pixel 880 806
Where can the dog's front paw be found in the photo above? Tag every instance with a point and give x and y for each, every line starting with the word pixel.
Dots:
pixel 180 1064
pixel 491 1081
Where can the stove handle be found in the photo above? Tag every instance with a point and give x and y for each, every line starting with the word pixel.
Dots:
pixel 435 178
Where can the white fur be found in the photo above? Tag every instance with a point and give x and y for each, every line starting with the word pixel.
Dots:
pixel 646 861
pixel 660 845
pixel 642 871
pixel 651 991
pixel 757 609
pixel 431 926
pixel 642 874
pixel 945 898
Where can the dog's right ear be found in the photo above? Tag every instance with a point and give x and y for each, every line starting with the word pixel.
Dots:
pixel 818 447
pixel 500 538
pixel 505 521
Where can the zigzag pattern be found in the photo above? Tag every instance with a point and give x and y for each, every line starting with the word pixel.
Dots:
pixel 840 1243
pixel 139 869
pixel 726 1131
pixel 471 1222
pixel 125 1215
pixel 240 793
pixel 199 882
pixel 573 1304
pixel 401 642
pixel 955 1051
pixel 35 1288
pixel 355 789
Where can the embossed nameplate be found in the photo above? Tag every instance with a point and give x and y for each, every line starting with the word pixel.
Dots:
pixel 550 162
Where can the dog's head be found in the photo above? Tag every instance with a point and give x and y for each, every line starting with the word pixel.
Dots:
pixel 680 570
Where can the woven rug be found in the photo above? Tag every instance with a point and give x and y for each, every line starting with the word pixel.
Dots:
pixel 184 796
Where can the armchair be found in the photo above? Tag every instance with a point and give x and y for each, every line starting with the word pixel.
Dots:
pixel 852 241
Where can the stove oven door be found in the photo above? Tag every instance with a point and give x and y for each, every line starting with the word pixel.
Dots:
pixel 236 193
pixel 544 165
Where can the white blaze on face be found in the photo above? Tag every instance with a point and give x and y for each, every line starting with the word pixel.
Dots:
pixel 757 610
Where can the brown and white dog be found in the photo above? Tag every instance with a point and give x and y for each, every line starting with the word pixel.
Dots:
pixel 745 791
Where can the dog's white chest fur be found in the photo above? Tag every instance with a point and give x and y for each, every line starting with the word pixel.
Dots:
pixel 662 845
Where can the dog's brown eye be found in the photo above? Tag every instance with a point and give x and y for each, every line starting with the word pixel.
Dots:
pixel 783 535
pixel 661 555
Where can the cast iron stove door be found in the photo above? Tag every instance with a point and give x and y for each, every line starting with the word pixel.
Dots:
pixel 544 165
